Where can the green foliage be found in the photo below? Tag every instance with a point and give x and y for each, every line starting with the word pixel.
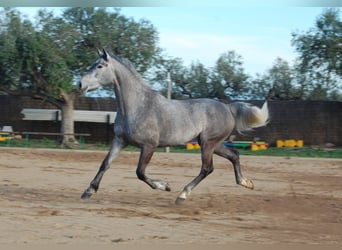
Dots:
pixel 277 83
pixel 229 77
pixel 226 79
pixel 45 57
pixel 103 27
pixel 197 81
pixel 30 61
pixel 316 75
pixel 314 152
pixel 320 56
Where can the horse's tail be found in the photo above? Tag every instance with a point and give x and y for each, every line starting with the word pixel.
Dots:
pixel 248 116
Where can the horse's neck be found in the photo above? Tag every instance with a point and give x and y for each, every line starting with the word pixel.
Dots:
pixel 130 93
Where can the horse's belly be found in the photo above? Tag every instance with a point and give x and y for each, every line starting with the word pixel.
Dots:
pixel 178 136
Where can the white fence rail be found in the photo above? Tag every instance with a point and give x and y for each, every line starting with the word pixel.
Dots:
pixel 79 115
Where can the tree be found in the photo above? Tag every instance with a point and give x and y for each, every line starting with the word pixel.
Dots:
pixel 188 82
pixel 278 83
pixel 103 27
pixel 34 65
pixel 43 60
pixel 196 83
pixel 261 87
pixel 320 54
pixel 229 78
pixel 158 77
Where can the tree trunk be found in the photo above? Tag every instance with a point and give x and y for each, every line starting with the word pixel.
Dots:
pixel 67 126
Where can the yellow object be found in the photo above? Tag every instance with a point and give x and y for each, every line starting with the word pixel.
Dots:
pixel 280 143
pixel 260 143
pixel 290 143
pixel 189 146
pixel 262 147
pixel 5 136
pixel 300 143
pixel 197 146
pixel 254 147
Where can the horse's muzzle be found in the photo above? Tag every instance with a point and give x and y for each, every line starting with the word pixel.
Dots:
pixel 81 87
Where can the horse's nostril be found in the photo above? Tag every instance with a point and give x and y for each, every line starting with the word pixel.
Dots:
pixel 80 85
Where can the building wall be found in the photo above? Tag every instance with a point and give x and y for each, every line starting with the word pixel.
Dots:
pixel 315 122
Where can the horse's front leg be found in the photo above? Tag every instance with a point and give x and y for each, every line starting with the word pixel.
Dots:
pixel 114 151
pixel 145 157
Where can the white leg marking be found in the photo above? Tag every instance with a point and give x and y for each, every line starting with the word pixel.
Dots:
pixel 162 185
pixel 183 195
pixel 247 183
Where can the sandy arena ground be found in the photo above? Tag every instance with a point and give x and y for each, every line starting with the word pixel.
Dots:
pixel 295 200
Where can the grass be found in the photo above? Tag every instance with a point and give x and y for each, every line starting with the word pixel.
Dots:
pixel 272 151
pixel 297 152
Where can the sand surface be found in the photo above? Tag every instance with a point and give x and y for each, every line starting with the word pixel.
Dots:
pixel 296 200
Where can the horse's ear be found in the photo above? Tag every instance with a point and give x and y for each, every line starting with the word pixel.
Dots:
pixel 105 54
pixel 99 52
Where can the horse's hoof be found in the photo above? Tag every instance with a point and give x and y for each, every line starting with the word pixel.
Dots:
pixel 179 201
pixel 247 183
pixel 87 194
pixel 182 197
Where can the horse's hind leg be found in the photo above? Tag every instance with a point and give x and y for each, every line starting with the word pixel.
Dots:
pixel 145 157
pixel 114 151
pixel 233 156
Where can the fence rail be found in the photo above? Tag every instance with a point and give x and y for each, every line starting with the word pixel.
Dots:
pixel 79 115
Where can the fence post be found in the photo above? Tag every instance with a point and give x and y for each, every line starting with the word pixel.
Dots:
pixel 169 88
pixel 56 116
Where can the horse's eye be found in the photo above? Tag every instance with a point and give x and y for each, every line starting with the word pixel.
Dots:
pixel 100 66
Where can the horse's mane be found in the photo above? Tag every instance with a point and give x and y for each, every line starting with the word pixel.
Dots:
pixel 127 64
pixel 130 67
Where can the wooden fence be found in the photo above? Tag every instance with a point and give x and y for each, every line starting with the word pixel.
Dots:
pixel 79 115
pixel 314 122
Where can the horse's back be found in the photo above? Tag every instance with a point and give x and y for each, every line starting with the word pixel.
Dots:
pixel 207 110
pixel 174 122
pixel 184 120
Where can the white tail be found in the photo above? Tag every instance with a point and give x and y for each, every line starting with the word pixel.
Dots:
pixel 248 116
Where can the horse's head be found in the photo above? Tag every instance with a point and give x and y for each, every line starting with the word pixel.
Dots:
pixel 99 74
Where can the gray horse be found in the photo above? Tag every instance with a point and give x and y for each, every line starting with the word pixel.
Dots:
pixel 148 120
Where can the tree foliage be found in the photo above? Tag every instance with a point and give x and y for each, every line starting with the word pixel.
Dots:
pixel 226 79
pixel 320 55
pixel 277 83
pixel 229 77
pixel 46 56
pixel 100 27
pixel 316 75
pixel 29 64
